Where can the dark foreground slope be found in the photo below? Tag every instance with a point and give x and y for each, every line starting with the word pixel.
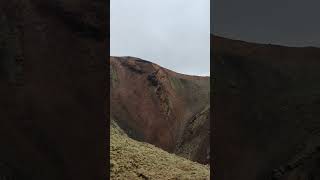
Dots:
pixel 161 107
pixel 266 116
pixel 52 89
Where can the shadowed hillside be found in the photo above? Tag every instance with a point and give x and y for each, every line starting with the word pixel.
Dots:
pixel 266 116
pixel 53 88
pixel 161 107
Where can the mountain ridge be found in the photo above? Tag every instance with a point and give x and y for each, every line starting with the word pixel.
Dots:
pixel 150 62
pixel 260 43
pixel 153 104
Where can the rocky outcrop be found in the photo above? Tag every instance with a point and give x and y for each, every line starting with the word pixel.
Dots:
pixel 195 142
pixel 158 106
pixel 266 111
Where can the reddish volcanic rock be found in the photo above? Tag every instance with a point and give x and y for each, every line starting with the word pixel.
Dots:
pixel 154 104
pixel 266 115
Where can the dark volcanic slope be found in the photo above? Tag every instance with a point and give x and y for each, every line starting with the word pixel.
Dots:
pixel 266 116
pixel 161 107
pixel 52 89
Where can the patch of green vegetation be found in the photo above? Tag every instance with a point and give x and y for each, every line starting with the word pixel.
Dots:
pixel 113 76
pixel 176 83
pixel 167 106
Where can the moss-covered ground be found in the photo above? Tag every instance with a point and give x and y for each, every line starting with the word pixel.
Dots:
pixel 132 160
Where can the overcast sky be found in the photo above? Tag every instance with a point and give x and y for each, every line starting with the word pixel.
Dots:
pixel 172 33
pixel 284 22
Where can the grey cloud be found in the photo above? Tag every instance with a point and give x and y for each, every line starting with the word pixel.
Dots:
pixel 172 33
pixel 283 22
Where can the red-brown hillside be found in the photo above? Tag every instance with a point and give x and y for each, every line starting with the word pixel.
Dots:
pixel 161 107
